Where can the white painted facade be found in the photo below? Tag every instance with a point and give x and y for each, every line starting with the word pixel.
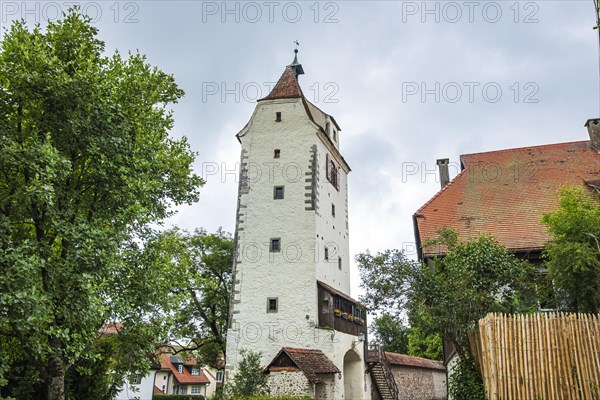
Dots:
pixel 304 222
pixel 139 391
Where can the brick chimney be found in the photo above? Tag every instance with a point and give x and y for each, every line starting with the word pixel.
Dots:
pixel 593 127
pixel 442 164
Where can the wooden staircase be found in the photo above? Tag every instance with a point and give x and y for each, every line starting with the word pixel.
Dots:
pixel 381 373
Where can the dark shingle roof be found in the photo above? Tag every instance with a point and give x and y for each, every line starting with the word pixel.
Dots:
pixel 310 361
pixel 506 192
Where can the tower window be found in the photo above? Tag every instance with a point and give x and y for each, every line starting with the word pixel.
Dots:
pixel 326 253
pixel 278 116
pixel 340 263
pixel 278 192
pixel 275 245
pixel 333 210
pixel 276 153
pixel 334 135
pixel 272 304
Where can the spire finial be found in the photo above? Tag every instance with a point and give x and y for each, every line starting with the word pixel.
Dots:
pixel 295 65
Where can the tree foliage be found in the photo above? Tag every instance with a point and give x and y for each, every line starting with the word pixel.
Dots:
pixel 203 286
pixel 451 294
pixel 249 379
pixel 86 165
pixel 573 253
pixel 389 280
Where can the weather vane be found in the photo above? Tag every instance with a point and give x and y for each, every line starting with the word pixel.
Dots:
pixel 297 45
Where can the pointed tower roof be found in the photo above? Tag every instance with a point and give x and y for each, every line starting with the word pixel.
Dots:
pixel 287 86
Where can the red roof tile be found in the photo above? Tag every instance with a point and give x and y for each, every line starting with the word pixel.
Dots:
pixel 287 87
pixel 310 361
pixel 157 390
pixel 186 376
pixel 411 361
pixel 506 192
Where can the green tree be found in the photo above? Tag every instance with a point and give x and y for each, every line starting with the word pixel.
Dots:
pixel 389 282
pixel 87 165
pixel 203 286
pixel 250 379
pixel 391 333
pixel 451 294
pixel 573 252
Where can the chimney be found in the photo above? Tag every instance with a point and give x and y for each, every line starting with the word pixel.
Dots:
pixel 442 164
pixel 593 127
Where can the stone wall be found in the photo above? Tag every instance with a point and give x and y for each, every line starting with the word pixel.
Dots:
pixel 420 383
pixel 290 383
pixel 326 389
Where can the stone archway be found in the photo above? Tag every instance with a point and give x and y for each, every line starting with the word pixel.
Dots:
pixel 353 375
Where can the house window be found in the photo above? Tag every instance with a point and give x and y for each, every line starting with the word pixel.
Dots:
pixel 276 153
pixel 136 380
pixel 278 192
pixel 326 253
pixel 333 210
pixel 272 304
pixel 278 116
pixel 275 246
pixel 195 371
pixel 220 376
pixel 340 263
pixel 334 135
pixel 180 368
pixel 196 389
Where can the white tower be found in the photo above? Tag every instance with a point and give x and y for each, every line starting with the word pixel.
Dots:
pixel 291 287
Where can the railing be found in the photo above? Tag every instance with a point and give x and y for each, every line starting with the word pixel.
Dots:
pixel 376 355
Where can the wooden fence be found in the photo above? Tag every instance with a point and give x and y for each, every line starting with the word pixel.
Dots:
pixel 541 356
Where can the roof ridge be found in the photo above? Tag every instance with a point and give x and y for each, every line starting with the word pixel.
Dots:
pixel 524 148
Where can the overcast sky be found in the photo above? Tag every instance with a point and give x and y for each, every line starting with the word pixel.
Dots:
pixel 408 82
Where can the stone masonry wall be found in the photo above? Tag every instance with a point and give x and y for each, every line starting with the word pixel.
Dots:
pixel 420 383
pixel 290 383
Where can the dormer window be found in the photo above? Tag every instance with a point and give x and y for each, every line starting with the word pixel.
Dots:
pixel 195 371
pixel 180 369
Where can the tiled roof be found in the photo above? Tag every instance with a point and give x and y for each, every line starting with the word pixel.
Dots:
pixel 310 361
pixel 411 361
pixel 506 192
pixel 186 376
pixel 156 390
pixel 287 87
